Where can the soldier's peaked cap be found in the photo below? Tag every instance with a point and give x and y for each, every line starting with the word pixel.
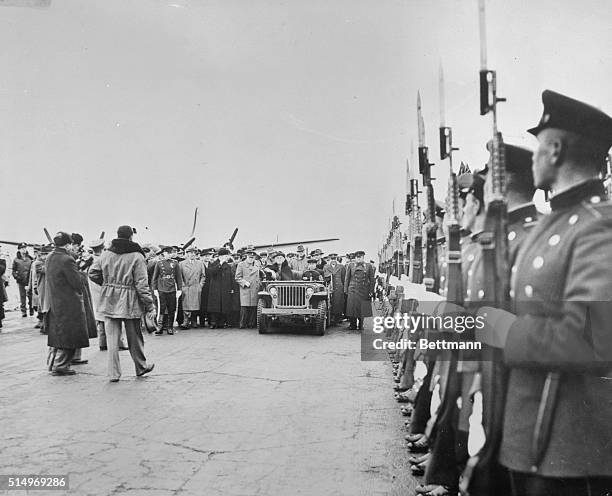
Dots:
pixel 359 253
pixel 563 112
pixel 167 249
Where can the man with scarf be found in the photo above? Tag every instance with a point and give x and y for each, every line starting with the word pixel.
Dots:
pixel 125 296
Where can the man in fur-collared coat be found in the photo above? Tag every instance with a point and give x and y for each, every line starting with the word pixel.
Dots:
pixel 65 320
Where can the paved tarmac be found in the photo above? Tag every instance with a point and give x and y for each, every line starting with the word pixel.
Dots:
pixel 225 412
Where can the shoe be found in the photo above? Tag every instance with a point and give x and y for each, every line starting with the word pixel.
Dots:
pixel 184 327
pixel 63 372
pixel 31 313
pixel 170 331
pixel 103 348
pixel 147 370
pixel 24 314
pixel 79 361
pixel 352 328
pixel 113 380
pixel 159 332
pixel 123 348
pixel 38 325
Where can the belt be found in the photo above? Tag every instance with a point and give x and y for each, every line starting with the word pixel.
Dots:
pixel 117 285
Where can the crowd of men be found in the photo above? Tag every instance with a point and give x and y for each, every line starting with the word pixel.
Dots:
pixel 531 414
pixel 114 292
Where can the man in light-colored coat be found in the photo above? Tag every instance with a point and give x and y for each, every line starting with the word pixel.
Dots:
pixel 124 297
pixel 194 277
pixel 247 276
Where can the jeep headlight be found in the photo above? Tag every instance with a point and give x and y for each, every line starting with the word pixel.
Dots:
pixel 309 292
pixel 273 292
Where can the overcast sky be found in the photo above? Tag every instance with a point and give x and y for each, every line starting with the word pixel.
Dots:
pixel 284 118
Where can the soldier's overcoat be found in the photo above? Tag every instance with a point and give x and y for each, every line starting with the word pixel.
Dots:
pixel 562 288
pixel 358 286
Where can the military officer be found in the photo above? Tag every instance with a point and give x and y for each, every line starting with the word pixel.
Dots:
pixel 299 262
pixel 167 284
pixel 557 341
pixel 359 289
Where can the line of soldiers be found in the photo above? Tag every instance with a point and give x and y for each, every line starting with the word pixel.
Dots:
pixel 531 413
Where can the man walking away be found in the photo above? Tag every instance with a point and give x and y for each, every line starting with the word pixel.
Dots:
pixel 21 274
pixel 124 297
pixel 65 318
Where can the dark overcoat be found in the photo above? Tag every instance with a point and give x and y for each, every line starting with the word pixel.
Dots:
pixel 65 320
pixel 336 273
pixel 205 289
pixel 220 295
pixel 359 286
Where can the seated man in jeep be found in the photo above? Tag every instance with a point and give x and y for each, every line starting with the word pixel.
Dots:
pixel 312 273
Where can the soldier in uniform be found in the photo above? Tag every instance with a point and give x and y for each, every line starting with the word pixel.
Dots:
pixel 557 341
pixel 335 273
pixel 311 273
pixel 167 284
pixel 359 289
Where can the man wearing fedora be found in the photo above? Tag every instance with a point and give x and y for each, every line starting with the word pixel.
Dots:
pixel 124 298
pixel 65 319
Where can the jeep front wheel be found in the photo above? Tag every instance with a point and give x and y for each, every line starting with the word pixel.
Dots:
pixel 262 320
pixel 321 318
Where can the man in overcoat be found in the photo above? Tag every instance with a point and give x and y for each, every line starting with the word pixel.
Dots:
pixel 335 273
pixel 359 289
pixel 247 276
pixel 193 274
pixel 206 256
pixel 65 320
pixel 220 295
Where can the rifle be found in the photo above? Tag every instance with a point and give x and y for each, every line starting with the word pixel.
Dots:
pixel 416 234
pixel 407 253
pixel 432 271
pixel 481 476
pixel 454 279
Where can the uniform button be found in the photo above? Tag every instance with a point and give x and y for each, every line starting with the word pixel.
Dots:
pixel 538 262
pixel 442 278
pixel 471 258
pixel 469 292
pixel 528 291
pixel 554 240
pixel 512 293
pixel 480 294
pixel 511 235
pixel 513 269
pixel 470 272
pixel 444 264
pixel 595 199
pixel 573 219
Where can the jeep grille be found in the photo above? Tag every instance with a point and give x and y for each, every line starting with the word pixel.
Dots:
pixel 291 296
